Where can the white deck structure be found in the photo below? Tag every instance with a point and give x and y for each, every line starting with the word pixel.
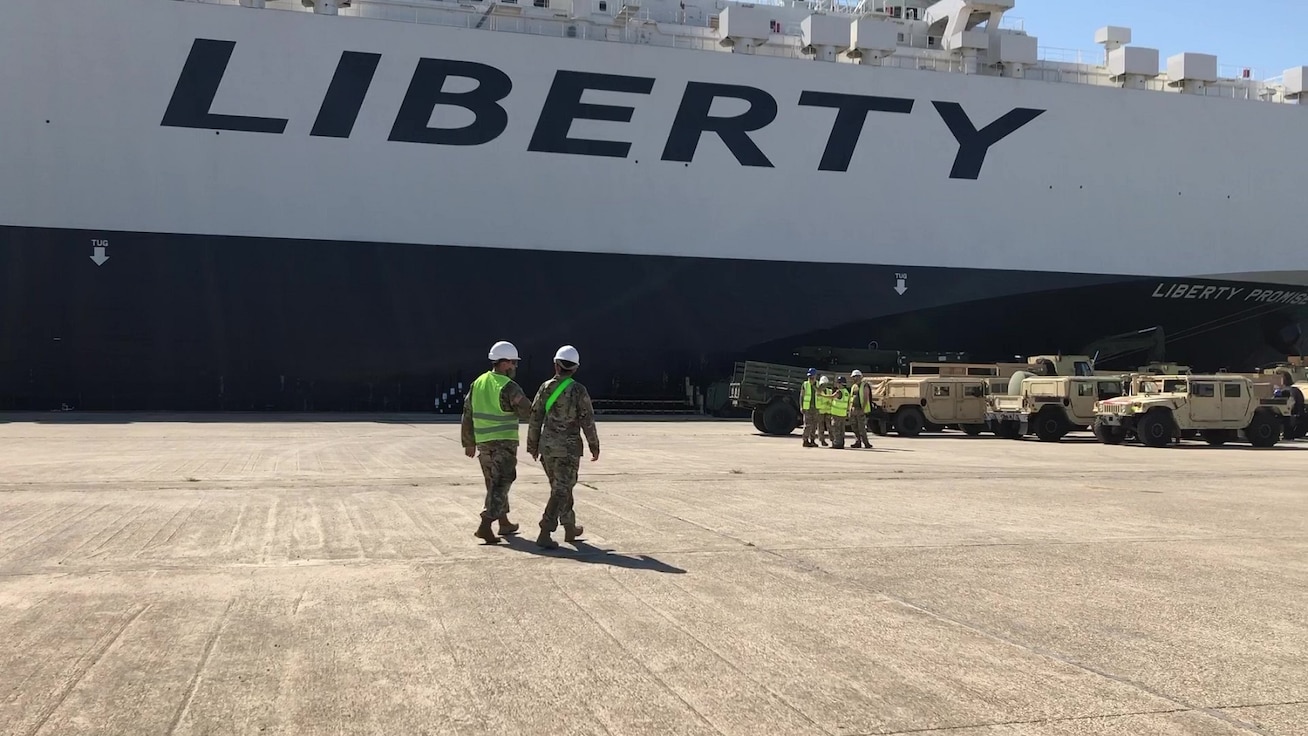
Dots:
pixel 959 36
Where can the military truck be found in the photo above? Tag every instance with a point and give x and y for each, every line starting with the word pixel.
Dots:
pixel 771 392
pixel 1049 406
pixel 1220 407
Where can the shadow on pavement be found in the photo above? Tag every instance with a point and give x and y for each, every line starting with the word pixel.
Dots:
pixel 589 553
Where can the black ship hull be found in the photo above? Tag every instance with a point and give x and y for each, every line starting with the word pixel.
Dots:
pixel 194 323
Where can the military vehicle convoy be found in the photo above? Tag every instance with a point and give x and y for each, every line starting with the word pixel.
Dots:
pixel 1221 408
pixel 1048 396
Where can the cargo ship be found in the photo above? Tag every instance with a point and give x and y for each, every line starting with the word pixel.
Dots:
pixel 339 205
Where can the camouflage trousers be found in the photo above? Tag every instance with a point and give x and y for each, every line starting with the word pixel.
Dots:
pixel 811 420
pixel 562 473
pixel 499 466
pixel 838 431
pixel 858 423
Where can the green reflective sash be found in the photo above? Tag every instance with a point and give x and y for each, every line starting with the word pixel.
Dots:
pixel 558 391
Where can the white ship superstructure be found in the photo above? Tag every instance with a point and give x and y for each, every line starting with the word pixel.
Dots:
pixel 959 36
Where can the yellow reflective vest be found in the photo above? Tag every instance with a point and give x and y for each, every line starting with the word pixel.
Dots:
pixel 489 421
pixel 840 403
pixel 806 397
pixel 857 399
pixel 824 401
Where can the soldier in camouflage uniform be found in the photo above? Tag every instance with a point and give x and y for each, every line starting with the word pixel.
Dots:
pixel 559 414
pixel 860 402
pixel 491 411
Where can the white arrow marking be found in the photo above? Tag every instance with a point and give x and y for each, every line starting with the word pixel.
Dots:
pixel 99 257
pixel 899 286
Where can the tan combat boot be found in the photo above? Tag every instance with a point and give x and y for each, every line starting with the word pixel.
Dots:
pixel 573 532
pixel 544 540
pixel 484 532
pixel 507 527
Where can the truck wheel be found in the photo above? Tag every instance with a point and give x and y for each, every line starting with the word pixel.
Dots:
pixel 1049 425
pixel 1109 435
pixel 779 418
pixel 1216 437
pixel 909 421
pixel 972 430
pixel 879 427
pixel 1264 429
pixel 757 417
pixel 1155 429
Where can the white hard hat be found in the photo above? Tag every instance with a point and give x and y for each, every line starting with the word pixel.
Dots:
pixel 856 373
pixel 503 351
pixel 568 353
pixel 823 380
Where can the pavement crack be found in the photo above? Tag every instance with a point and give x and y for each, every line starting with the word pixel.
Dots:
pixel 631 655
pixel 77 678
pixel 720 657
pixel 1026 722
pixel 194 685
pixel 1039 651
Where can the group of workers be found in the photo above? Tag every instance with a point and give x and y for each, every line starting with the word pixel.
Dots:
pixel 556 418
pixel 834 407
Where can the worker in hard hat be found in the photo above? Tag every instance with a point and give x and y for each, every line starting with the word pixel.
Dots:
pixel 491 411
pixel 824 409
pixel 839 411
pixel 560 413
pixel 860 403
pixel 808 406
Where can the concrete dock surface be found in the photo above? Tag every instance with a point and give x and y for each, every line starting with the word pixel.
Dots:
pixel 252 575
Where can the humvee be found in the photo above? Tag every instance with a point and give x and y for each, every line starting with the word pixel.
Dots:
pixel 916 403
pixel 1049 406
pixel 1221 408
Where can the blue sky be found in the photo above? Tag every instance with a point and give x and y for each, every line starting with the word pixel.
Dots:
pixel 1267 35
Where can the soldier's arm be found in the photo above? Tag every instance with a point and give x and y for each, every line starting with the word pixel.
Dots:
pixel 514 399
pixel 466 436
pixel 586 418
pixel 536 422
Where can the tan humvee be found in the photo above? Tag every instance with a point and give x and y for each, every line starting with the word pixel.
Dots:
pixel 913 404
pixel 1050 406
pixel 1220 407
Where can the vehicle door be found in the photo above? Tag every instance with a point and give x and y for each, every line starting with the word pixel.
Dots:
pixel 940 402
pixel 1235 402
pixel 971 408
pixel 1082 397
pixel 1205 404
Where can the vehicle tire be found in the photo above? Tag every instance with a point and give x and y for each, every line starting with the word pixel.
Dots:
pixel 1155 429
pixel 1216 437
pixel 909 421
pixel 1298 425
pixel 779 418
pixel 879 427
pixel 1264 429
pixel 972 430
pixel 757 417
pixel 1109 435
pixel 1049 425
